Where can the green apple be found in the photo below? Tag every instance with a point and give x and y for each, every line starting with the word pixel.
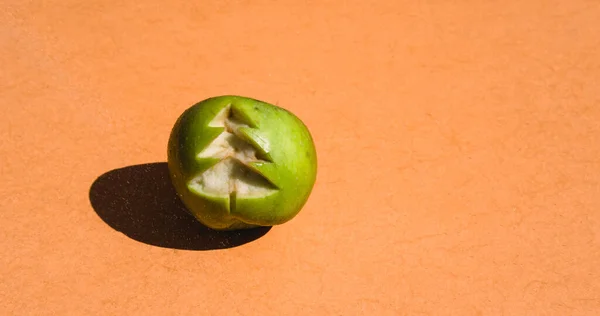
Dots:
pixel 239 163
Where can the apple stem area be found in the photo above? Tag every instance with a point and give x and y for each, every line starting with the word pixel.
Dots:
pixel 231 176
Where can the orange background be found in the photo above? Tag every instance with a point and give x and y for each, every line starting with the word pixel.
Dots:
pixel 457 140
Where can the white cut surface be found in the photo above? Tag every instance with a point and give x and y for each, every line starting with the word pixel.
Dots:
pixel 228 145
pixel 232 173
pixel 219 120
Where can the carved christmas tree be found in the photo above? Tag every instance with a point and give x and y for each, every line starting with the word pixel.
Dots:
pixel 233 175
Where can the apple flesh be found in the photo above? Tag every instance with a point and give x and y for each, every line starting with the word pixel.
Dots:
pixel 239 163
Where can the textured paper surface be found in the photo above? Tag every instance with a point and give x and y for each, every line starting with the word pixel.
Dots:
pixel 457 140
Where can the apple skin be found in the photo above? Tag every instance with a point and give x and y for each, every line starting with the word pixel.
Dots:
pixel 277 134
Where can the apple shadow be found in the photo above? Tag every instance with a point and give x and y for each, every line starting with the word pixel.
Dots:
pixel 140 202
